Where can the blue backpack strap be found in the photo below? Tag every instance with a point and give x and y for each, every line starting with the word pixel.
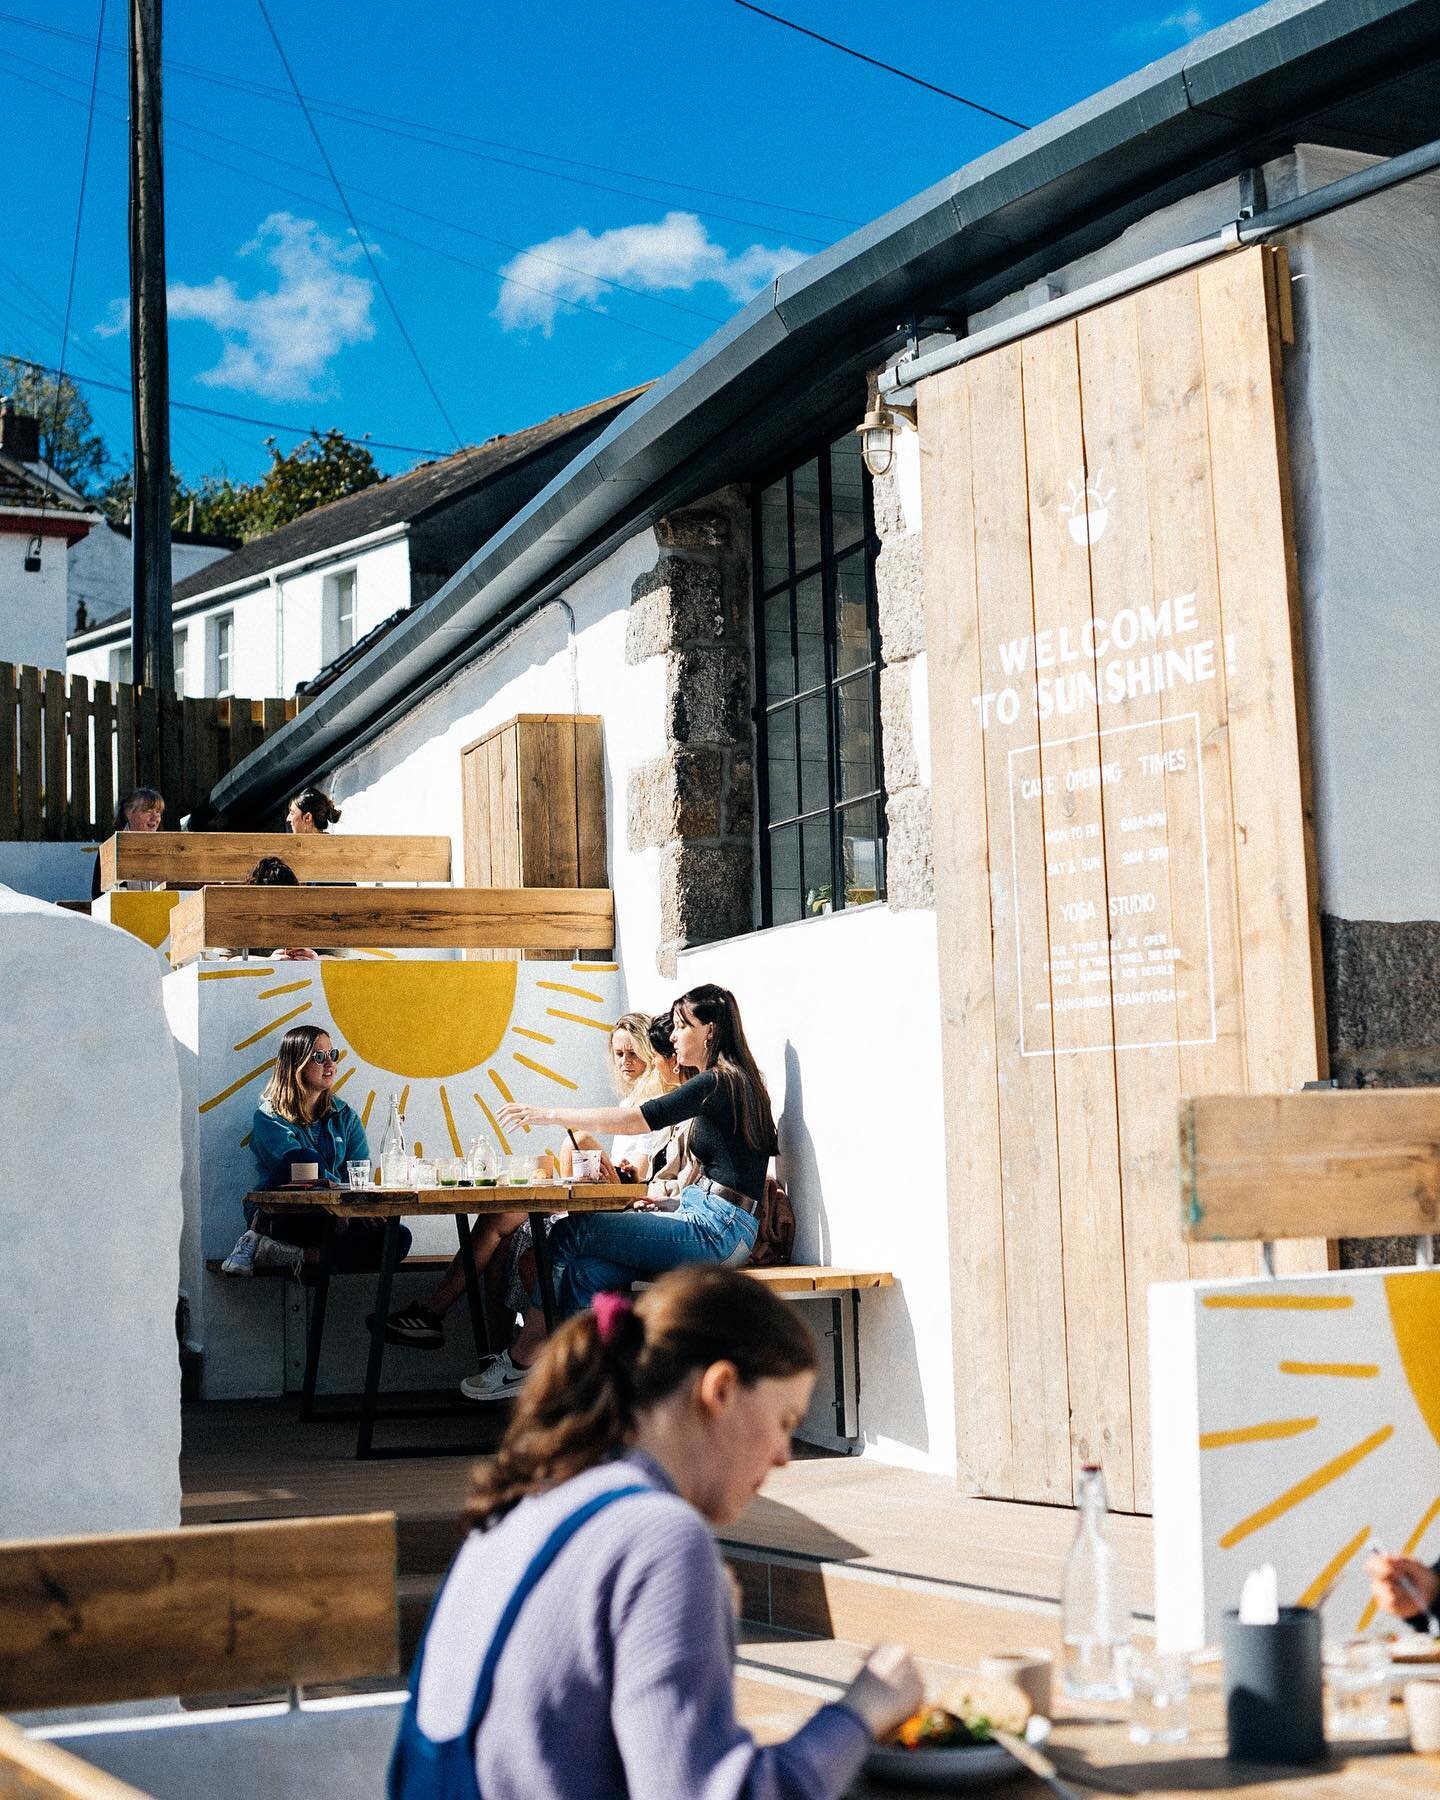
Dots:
pixel 537 1566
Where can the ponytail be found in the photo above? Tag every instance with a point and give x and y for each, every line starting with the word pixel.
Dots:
pixel 601 1370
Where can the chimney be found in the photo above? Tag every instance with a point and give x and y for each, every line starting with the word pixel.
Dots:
pixel 19 433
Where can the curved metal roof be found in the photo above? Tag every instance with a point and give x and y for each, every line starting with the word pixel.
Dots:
pixel 1360 74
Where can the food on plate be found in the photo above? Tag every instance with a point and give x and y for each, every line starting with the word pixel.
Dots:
pixel 965 1714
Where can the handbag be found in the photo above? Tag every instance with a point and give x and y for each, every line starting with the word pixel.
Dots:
pixel 423 1768
pixel 774 1228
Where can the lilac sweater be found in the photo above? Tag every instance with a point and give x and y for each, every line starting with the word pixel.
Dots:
pixel 618 1677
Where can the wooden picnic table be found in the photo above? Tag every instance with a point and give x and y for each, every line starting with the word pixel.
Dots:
pixel 464 1204
pixel 1093 1755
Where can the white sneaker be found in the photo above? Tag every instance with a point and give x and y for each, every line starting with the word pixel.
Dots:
pixel 498 1379
pixel 271 1254
pixel 241 1260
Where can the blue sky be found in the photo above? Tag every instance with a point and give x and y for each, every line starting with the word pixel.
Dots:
pixel 637 170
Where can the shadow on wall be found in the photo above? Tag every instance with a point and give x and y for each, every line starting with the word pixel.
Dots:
pixel 888 1353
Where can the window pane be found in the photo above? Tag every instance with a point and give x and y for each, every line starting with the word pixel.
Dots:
pixel 785 874
pixel 810 633
pixel 783 794
pixel 847 493
pixel 779 653
pixel 819 882
pixel 814 755
pixel 854 648
pixel 807 516
pixel 774 535
pixel 855 734
pixel 862 853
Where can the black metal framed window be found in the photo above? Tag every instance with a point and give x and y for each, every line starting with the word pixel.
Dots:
pixel 817 661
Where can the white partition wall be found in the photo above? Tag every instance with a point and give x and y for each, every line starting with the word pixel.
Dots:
pixel 451 1040
pixel 90 1217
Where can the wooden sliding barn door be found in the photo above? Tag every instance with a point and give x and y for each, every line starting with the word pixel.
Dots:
pixel 1121 841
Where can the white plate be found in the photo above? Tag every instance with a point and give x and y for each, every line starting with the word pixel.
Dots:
pixel 968 1766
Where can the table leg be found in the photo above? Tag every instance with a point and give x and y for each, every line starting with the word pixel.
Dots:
pixel 479 1324
pixel 316 1333
pixel 389 1257
pixel 541 1241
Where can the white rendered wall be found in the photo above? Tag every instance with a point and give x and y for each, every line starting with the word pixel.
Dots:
pixel 101 571
pixel 842 1013
pixel 90 1207
pixel 32 606
pixel 409 779
pixel 47 871
pixel 382 584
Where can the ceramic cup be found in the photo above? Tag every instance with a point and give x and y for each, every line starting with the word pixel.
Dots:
pixel 304 1171
pixel 1030 1670
pixel 1422 1715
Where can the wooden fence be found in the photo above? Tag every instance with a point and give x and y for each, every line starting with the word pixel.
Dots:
pixel 70 747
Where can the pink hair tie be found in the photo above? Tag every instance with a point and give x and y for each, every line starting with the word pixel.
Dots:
pixel 611 1311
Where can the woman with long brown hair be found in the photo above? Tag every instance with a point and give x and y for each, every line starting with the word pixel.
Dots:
pixel 732 1138
pixel 604 1667
pixel 300 1119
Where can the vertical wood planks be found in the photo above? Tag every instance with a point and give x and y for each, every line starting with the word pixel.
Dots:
pixel 125 713
pixel 82 808
pixel 103 713
pixel 1109 580
pixel 57 772
pixel 9 754
pixel 30 754
pixel 979 1300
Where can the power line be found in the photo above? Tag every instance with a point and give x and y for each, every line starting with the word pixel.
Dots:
pixel 369 118
pixel 214 412
pixel 398 236
pixel 889 68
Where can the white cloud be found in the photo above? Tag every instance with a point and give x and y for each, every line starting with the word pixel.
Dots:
pixel 676 253
pixel 116 321
pixel 1188 22
pixel 279 342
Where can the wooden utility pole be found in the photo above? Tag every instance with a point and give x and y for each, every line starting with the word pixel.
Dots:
pixel 152 641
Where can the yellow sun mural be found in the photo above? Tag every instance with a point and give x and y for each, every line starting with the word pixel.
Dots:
pixel 1313 1414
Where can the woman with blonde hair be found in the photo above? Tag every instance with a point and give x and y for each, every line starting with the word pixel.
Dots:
pixel 300 1119
pixel 580 1670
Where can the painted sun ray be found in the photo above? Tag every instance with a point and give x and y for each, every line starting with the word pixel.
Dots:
pixel 594 968
pixel 274 1025
pixel 538 1037
pixel 576 993
pixel 235 1086
pixel 505 1093
pixel 605 1025
pixel 252 974
pixel 365 1110
pixel 286 987
pixel 1325 1580
pixel 450 1121
pixel 1264 1432
pixel 1282 1302
pixel 404 1098
pixel 342 1079
pixel 1408 1548
pixel 501 1139
pixel 1308 1485
pixel 549 1074
pixel 1346 1371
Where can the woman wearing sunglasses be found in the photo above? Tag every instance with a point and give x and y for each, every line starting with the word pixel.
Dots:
pixel 300 1119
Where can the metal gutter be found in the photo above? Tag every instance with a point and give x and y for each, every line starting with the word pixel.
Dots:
pixel 799 352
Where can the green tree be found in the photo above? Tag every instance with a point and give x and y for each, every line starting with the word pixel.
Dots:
pixel 69 441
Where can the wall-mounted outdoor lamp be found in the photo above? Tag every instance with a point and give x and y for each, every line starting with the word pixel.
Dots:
pixel 876 432
pixel 32 557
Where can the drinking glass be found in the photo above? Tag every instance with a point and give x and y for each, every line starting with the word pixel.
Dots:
pixel 452 1171
pixel 1357 1688
pixel 519 1170
pixel 359 1173
pixel 1159 1683
pixel 422 1173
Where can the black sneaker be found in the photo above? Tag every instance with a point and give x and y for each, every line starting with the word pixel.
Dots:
pixel 416 1326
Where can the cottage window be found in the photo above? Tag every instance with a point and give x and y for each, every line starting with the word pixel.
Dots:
pixel 817 658
pixel 120 666
pixel 180 639
pixel 221 637
pixel 338 629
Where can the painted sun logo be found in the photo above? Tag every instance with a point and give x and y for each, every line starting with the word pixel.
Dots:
pixel 1087 511
pixel 1360 1357
pixel 455 1040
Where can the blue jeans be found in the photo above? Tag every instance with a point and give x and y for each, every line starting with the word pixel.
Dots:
pixel 597 1252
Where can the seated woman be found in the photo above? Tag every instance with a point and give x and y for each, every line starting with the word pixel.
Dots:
pixel 142 809
pixel 300 1119
pixel 732 1138
pixel 635 1069
pixel 644 1430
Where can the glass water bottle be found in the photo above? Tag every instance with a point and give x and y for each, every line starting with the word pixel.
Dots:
pixel 1094 1603
pixel 394 1160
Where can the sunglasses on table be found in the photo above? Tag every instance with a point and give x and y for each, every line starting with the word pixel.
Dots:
pixel 321 1057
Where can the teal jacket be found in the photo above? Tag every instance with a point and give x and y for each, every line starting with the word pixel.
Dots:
pixel 333 1140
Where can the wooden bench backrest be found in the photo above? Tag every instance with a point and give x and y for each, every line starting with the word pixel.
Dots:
pixel 1331 1164
pixel 213 1609
pixel 192 858
pixel 232 918
pixel 31 1769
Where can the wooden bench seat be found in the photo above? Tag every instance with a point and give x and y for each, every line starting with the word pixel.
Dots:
pixel 180 859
